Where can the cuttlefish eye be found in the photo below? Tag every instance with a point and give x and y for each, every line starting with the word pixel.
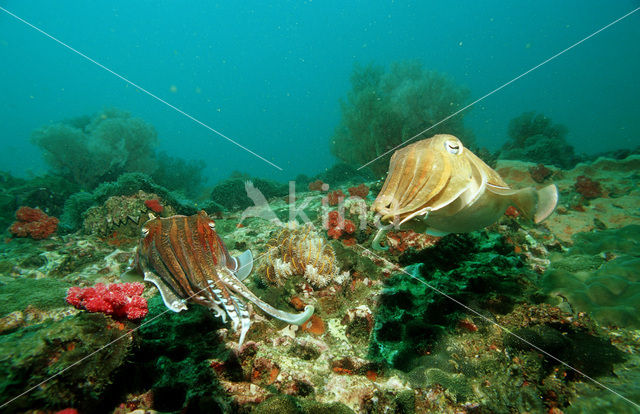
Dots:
pixel 453 147
pixel 144 232
pixel 212 225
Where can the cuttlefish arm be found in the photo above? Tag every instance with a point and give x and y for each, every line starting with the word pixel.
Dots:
pixel 233 283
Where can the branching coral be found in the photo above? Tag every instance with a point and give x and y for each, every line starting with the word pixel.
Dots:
pixel 384 109
pixel 300 251
pixel 87 150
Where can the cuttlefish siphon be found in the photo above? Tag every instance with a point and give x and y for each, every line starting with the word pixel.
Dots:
pixel 187 261
pixel 438 186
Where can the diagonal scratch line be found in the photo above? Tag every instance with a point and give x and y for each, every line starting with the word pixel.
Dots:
pixel 435 289
pixel 146 322
pixel 501 87
pixel 140 88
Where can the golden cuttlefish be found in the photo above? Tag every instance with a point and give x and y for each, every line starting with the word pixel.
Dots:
pixel 438 186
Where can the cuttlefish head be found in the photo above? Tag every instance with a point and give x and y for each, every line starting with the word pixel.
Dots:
pixel 430 175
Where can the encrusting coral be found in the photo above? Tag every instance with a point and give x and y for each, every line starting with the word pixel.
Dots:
pixel 298 250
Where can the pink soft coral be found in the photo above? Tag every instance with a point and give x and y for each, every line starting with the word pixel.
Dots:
pixel 121 300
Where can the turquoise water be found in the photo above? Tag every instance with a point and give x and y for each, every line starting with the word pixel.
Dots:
pixel 270 75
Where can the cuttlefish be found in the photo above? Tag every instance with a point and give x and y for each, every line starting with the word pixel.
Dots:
pixel 187 261
pixel 438 186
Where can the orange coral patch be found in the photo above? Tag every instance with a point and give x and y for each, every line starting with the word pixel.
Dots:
pixel 297 303
pixel 342 371
pixel 315 325
pixel 273 374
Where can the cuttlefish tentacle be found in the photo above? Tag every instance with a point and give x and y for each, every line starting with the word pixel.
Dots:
pixel 234 284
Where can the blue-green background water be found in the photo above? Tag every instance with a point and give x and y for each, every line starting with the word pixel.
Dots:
pixel 270 74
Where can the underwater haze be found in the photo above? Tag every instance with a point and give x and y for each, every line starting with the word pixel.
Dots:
pixel 270 75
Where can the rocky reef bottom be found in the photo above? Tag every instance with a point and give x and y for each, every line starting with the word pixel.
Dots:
pixel 514 318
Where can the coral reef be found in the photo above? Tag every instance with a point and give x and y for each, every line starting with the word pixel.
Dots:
pixel 46 192
pixel 123 215
pixel 318 185
pixel 409 242
pixel 89 150
pixel 338 226
pixel 128 184
pixel 154 205
pixel 533 137
pixel 575 214
pixel 298 250
pixel 34 223
pixel 122 300
pixel 379 341
pixel 384 109
pixel 335 197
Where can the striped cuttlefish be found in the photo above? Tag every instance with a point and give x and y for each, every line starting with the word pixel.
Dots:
pixel 184 257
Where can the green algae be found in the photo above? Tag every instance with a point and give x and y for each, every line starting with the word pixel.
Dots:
pixel 44 294
pixel 55 352
pixel 285 404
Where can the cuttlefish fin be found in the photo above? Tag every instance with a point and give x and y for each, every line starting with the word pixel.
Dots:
pixel 534 204
pixel 169 298
pixel 242 265
pixel 547 201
